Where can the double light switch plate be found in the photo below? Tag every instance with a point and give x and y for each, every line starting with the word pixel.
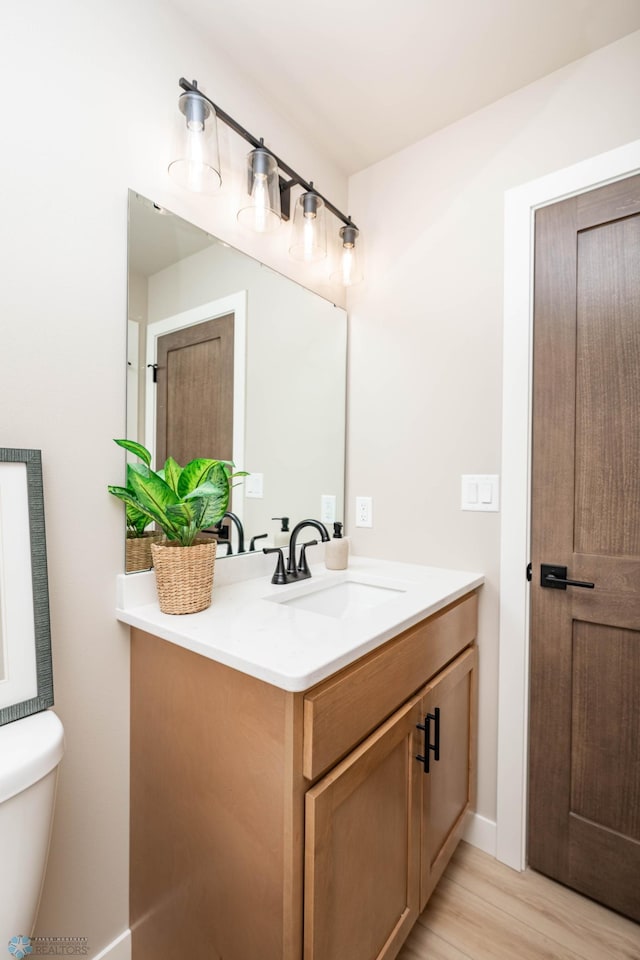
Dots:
pixel 481 491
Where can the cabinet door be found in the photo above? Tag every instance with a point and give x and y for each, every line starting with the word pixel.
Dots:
pixel 448 789
pixel 362 847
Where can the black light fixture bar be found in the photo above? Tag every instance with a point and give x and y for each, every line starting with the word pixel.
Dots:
pixel 285 186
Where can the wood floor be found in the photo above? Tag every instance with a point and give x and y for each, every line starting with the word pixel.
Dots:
pixel 482 910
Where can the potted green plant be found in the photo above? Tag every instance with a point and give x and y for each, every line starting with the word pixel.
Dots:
pixel 139 537
pixel 182 502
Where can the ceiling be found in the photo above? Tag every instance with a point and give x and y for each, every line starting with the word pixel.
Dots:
pixel 366 78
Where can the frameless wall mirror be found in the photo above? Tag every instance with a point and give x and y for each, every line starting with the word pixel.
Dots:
pixel 229 359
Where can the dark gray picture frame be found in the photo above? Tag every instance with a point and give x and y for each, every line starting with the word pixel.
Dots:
pixel 35 556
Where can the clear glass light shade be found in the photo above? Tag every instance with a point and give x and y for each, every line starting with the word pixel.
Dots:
pixel 196 163
pixel 349 270
pixel 309 232
pixel 262 210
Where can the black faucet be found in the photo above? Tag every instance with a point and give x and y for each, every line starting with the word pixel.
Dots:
pixel 238 525
pixel 302 571
pixel 324 536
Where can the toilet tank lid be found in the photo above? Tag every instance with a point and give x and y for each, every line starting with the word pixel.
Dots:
pixel 29 749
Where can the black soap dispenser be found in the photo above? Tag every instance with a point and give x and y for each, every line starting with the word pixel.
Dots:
pixel 281 538
pixel 336 551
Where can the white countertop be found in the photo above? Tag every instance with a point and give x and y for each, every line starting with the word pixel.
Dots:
pixel 286 646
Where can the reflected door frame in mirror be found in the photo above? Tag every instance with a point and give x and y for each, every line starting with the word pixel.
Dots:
pixel 235 304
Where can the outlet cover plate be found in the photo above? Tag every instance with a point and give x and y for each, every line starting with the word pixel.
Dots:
pixel 364 512
pixel 328 508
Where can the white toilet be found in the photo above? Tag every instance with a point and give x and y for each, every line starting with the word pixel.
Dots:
pixel 30 751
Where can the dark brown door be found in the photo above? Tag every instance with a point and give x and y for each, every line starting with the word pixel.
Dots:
pixel 584 799
pixel 194 403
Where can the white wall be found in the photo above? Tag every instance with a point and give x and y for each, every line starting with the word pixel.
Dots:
pixel 426 327
pixel 90 92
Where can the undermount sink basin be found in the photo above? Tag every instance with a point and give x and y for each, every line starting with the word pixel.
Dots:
pixel 350 598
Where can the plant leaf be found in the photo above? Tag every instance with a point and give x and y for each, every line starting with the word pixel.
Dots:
pixel 137 522
pixel 183 511
pixel 129 498
pixel 171 473
pixel 136 449
pixel 122 493
pixel 200 506
pixel 194 474
pixel 153 495
pixel 214 510
pixel 214 497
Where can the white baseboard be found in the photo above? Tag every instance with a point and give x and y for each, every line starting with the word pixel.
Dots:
pixel 118 949
pixel 481 833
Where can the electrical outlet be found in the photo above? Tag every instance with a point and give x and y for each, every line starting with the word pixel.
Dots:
pixel 364 512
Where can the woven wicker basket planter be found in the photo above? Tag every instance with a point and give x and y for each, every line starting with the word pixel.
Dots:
pixel 138 551
pixel 184 575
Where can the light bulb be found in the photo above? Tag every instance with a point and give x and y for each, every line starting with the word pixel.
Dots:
pixel 261 202
pixel 309 237
pixel 347 266
pixel 196 166
pixel 348 271
pixel 308 232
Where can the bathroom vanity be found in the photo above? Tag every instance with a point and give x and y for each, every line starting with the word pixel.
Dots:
pixel 281 806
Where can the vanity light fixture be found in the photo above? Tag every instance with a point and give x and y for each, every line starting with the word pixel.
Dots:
pixel 197 163
pixel 270 182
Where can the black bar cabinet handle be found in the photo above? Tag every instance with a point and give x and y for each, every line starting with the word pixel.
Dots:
pixel 436 725
pixel 428 746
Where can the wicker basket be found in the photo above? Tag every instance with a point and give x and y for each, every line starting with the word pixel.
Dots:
pixel 184 575
pixel 138 551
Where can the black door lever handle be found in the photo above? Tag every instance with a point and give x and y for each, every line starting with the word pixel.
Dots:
pixel 556 577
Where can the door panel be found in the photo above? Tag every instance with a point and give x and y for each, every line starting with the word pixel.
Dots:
pixel 606 659
pixel 608 391
pixel 584 749
pixel 194 404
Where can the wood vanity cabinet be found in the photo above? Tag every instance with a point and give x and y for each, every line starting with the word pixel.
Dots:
pixel 298 826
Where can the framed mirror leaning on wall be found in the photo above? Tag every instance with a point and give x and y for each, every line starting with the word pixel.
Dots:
pixel 229 359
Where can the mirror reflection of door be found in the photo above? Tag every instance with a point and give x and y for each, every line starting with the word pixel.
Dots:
pixel 194 401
